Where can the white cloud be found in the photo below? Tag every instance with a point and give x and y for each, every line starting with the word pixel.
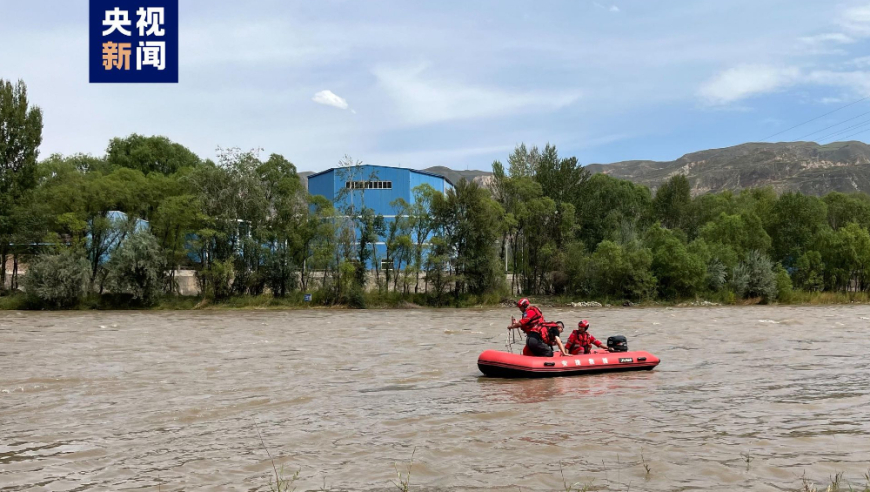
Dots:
pixel 745 81
pixel 423 100
pixel 613 8
pixel 831 37
pixel 860 62
pixel 329 98
pixel 859 81
pixel 420 159
pixel 856 20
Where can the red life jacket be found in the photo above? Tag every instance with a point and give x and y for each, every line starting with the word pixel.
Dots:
pixel 532 317
pixel 543 330
pixel 577 341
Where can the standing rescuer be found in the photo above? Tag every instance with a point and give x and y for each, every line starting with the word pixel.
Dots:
pixel 540 336
pixel 581 342
pixel 532 317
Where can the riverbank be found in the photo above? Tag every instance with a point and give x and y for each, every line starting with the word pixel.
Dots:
pixel 392 300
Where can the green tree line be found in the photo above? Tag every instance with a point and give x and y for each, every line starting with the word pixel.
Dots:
pixel 245 225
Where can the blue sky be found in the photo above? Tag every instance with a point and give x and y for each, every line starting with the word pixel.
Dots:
pixel 457 83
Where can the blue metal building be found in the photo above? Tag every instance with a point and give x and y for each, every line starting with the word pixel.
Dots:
pixel 375 187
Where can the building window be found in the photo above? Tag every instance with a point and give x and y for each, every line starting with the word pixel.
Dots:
pixel 369 185
pixel 386 264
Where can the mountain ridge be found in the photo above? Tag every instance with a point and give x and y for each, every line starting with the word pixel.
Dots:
pixel 786 166
pixel 807 167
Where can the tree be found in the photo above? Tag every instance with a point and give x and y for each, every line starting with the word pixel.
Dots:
pixel 810 271
pixel 20 137
pixel 611 206
pixel 150 154
pixel 175 218
pixel 743 232
pixel 623 272
pixel 672 201
pixel 795 221
pixel 421 224
pixel 679 272
pixel 847 257
pixel 843 209
pixel 468 219
pixel 563 179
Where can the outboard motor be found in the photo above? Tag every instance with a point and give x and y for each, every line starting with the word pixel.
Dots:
pixel 617 343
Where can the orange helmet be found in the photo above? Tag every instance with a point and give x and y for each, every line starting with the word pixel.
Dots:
pixel 583 324
pixel 523 303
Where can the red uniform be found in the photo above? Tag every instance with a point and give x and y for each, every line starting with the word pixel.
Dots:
pixel 581 343
pixel 548 332
pixel 532 317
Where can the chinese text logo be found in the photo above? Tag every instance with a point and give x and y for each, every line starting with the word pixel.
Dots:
pixel 133 41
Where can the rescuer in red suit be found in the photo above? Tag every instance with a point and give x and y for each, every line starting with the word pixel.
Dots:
pixel 540 335
pixel 581 342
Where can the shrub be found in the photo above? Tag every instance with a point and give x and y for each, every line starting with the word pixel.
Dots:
pixel 754 277
pixel 716 274
pixel 280 272
pixel 59 280
pixel 137 267
pixel 215 282
pixel 784 287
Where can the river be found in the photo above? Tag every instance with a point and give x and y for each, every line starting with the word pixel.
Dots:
pixel 747 398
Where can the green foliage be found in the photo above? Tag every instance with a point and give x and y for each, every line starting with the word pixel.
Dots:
pixel 809 272
pixel 59 280
pixel 468 221
pixel 672 202
pixel 843 209
pixel 742 232
pixel 137 267
pixel 215 281
pixel 795 222
pixel 622 272
pixel 254 236
pixel 611 208
pixel 20 136
pixel 754 277
pixel 784 288
pixel 679 272
pixel 150 154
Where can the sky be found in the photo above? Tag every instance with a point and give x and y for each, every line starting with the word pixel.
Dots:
pixel 459 83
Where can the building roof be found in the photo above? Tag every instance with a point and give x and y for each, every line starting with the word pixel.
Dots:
pixel 390 167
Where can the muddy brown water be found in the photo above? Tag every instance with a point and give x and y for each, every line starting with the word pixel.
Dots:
pixel 745 398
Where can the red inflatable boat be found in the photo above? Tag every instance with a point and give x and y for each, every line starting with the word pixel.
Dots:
pixel 499 364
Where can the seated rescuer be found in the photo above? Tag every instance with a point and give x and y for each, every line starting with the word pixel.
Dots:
pixel 580 342
pixel 541 340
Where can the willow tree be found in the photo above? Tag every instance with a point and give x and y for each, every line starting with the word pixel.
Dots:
pixel 20 137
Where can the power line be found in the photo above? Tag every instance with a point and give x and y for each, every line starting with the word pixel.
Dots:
pixel 817 117
pixel 845 130
pixel 832 126
pixel 856 133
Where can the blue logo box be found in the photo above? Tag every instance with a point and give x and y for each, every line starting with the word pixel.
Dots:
pixel 133 41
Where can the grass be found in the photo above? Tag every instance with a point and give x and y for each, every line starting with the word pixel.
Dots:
pixel 403 483
pixel 838 484
pixel 818 298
